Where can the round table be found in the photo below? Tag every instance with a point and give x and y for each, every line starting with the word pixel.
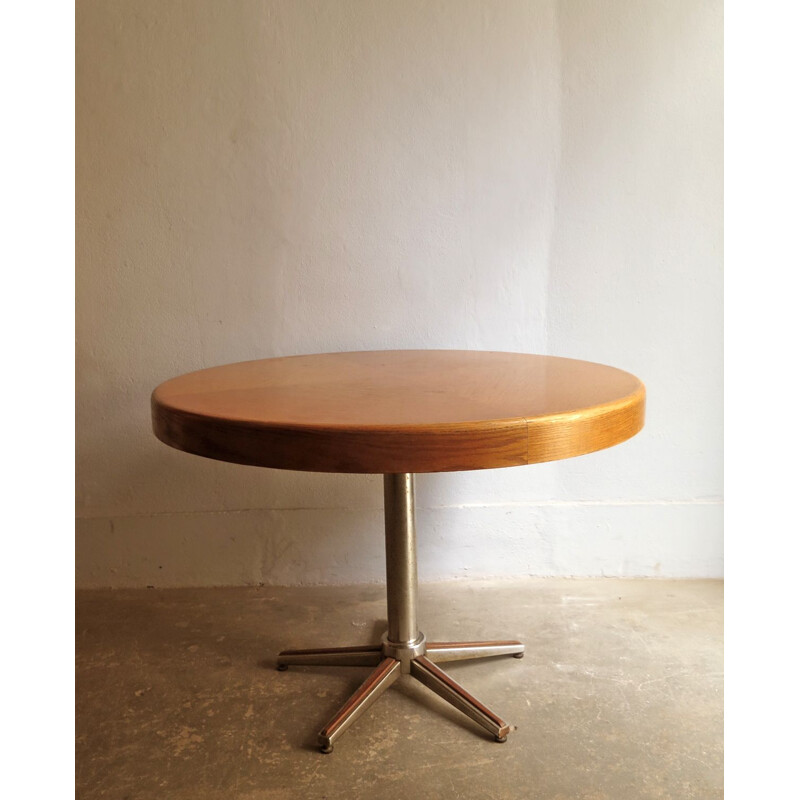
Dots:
pixel 399 412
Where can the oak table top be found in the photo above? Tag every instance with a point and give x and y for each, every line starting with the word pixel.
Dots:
pixel 392 411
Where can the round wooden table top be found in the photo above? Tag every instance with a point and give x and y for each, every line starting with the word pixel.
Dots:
pixel 399 410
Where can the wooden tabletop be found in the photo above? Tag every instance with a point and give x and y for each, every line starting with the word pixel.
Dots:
pixel 399 410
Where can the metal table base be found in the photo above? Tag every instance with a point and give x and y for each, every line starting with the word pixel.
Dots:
pixel 404 649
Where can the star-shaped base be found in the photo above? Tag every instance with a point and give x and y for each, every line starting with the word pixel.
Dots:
pixel 392 660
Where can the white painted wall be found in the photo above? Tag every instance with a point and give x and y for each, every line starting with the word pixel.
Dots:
pixel 270 178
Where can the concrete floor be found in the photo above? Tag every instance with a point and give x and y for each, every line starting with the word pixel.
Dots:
pixel 619 694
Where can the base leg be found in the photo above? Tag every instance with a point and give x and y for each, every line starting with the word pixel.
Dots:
pixel 366 656
pixel 439 652
pixel 440 682
pixel 386 673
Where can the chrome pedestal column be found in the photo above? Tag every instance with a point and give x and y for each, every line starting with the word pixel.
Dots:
pixel 403 649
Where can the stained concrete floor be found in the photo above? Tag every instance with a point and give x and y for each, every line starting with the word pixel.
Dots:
pixel 619 694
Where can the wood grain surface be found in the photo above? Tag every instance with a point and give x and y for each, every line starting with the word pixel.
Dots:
pixel 399 410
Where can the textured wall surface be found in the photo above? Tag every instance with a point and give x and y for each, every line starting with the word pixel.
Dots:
pixel 265 178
